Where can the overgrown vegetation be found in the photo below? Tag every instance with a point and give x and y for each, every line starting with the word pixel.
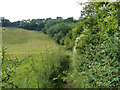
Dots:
pixel 96 61
pixel 49 71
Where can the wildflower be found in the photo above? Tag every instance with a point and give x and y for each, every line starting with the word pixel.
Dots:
pixel 27 84
pixel 103 50
pixel 9 69
pixel 19 60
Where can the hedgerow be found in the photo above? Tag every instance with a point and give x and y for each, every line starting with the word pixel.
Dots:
pixel 97 59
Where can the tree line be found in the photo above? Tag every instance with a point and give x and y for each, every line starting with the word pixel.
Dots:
pixel 55 28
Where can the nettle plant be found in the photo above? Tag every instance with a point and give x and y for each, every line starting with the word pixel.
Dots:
pixel 9 66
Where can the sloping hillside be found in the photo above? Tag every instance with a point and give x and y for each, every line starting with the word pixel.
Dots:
pixel 22 42
pixel 46 62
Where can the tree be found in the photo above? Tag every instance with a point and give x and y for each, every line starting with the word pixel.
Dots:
pixel 5 22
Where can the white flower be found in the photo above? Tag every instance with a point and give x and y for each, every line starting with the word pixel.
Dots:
pixel 8 69
pixel 100 8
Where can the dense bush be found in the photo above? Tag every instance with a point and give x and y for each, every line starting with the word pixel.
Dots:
pixel 98 62
pixel 97 50
pixel 58 31
pixel 72 35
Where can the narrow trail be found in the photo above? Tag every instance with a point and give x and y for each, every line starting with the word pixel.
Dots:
pixel 67 85
pixel 74 49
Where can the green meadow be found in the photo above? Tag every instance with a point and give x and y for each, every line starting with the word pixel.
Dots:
pixel 22 42
pixel 44 67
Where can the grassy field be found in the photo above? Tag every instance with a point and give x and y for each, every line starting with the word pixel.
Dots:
pixel 37 70
pixel 22 42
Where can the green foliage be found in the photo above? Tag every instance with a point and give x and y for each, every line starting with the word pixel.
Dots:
pixel 97 50
pixel 34 24
pixel 72 34
pixel 58 31
pixel 45 58
pixel 49 72
pixel 99 62
pixel 9 66
pixel 15 24
pixel 48 23
pixel 37 24
pixel 5 22
pixel 95 65
pixel 70 20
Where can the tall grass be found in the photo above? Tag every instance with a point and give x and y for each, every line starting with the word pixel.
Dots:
pixel 48 71
pixel 45 67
